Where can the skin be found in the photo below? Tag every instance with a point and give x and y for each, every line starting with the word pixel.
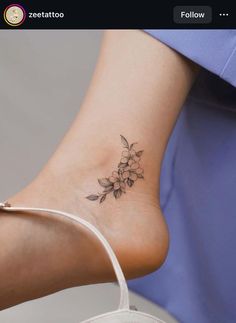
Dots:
pixel 137 90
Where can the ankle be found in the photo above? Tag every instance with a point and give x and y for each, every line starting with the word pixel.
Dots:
pixel 100 160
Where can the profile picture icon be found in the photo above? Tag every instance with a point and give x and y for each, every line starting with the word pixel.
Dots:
pixel 14 15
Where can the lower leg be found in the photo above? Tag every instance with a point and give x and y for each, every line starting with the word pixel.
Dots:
pixel 134 93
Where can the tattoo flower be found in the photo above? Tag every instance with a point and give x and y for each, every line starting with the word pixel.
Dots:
pixel 129 170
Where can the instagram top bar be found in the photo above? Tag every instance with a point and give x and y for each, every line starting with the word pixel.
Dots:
pixel 68 15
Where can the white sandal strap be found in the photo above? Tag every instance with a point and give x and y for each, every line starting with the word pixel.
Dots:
pixel 124 292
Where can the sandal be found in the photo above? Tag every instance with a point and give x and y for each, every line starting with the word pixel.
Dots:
pixel 125 313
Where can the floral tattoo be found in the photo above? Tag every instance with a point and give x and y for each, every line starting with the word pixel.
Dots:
pixel 128 172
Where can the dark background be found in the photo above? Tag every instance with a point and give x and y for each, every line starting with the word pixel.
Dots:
pixel 115 14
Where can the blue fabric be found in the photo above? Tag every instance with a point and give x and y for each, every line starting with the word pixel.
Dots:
pixel 197 282
pixel 215 50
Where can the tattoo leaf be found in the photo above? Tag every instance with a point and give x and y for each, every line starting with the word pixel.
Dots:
pixel 104 182
pixel 117 193
pixel 139 153
pixel 102 199
pixel 130 182
pixel 132 145
pixel 124 142
pixel 92 197
pixel 140 176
